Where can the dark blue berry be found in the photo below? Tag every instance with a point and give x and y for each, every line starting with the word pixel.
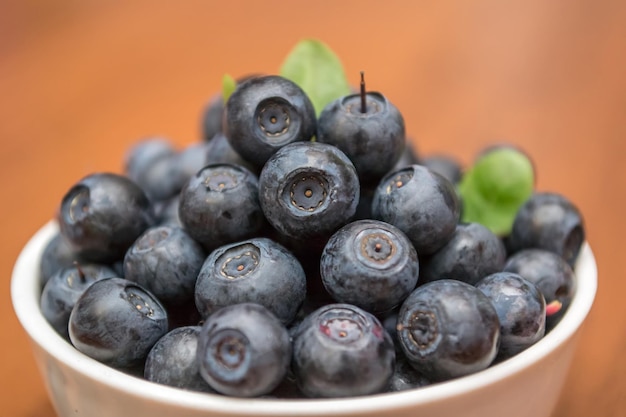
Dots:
pixel 472 253
pixel 243 350
pixel 421 203
pixel 448 328
pixel 173 360
pixel 220 205
pixel 258 271
pixel 116 322
pixel 370 264
pixel 308 190
pixel 549 221
pixel 102 215
pixel 521 310
pixel 57 254
pixel 166 261
pixel 340 350
pixel 266 113
pixel 143 154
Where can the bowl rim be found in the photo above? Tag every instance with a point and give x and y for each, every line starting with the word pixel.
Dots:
pixel 25 298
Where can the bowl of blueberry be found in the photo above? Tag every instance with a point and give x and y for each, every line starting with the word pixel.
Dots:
pixel 302 259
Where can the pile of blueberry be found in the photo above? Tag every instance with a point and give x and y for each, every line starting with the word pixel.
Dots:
pixel 291 254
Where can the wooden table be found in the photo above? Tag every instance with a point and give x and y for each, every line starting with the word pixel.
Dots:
pixel 80 81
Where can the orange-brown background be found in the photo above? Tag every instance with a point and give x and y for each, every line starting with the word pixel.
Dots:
pixel 81 80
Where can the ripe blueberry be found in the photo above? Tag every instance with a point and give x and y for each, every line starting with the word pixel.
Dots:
pixel 266 113
pixel 308 190
pixel 370 264
pixel 521 310
pixel 102 215
pixel 340 350
pixel 166 261
pixel 243 350
pixel 258 271
pixel 549 221
pixel 220 205
pixel 448 328
pixel 115 321
pixel 173 360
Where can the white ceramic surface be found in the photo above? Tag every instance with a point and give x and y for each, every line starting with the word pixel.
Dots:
pixel 526 385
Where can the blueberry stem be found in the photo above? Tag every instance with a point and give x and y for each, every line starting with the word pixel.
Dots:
pixel 81 273
pixel 553 308
pixel 363 102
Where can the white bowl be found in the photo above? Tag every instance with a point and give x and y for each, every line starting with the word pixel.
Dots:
pixel 527 385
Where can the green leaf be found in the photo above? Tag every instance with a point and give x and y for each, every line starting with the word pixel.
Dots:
pixel 229 84
pixel 318 71
pixel 495 187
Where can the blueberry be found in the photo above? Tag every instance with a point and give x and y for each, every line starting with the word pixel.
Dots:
pixel 368 128
pixel 220 205
pixel 308 190
pixel 340 350
pixel 259 271
pixel 447 329
pixel 166 261
pixel 116 322
pixel 173 360
pixel 472 253
pixel 63 289
pixel 521 310
pixel 243 350
pixel 102 215
pixel 57 254
pixel 370 264
pixel 421 203
pixel 551 274
pixel 549 221
pixel 144 153
pixel 266 113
